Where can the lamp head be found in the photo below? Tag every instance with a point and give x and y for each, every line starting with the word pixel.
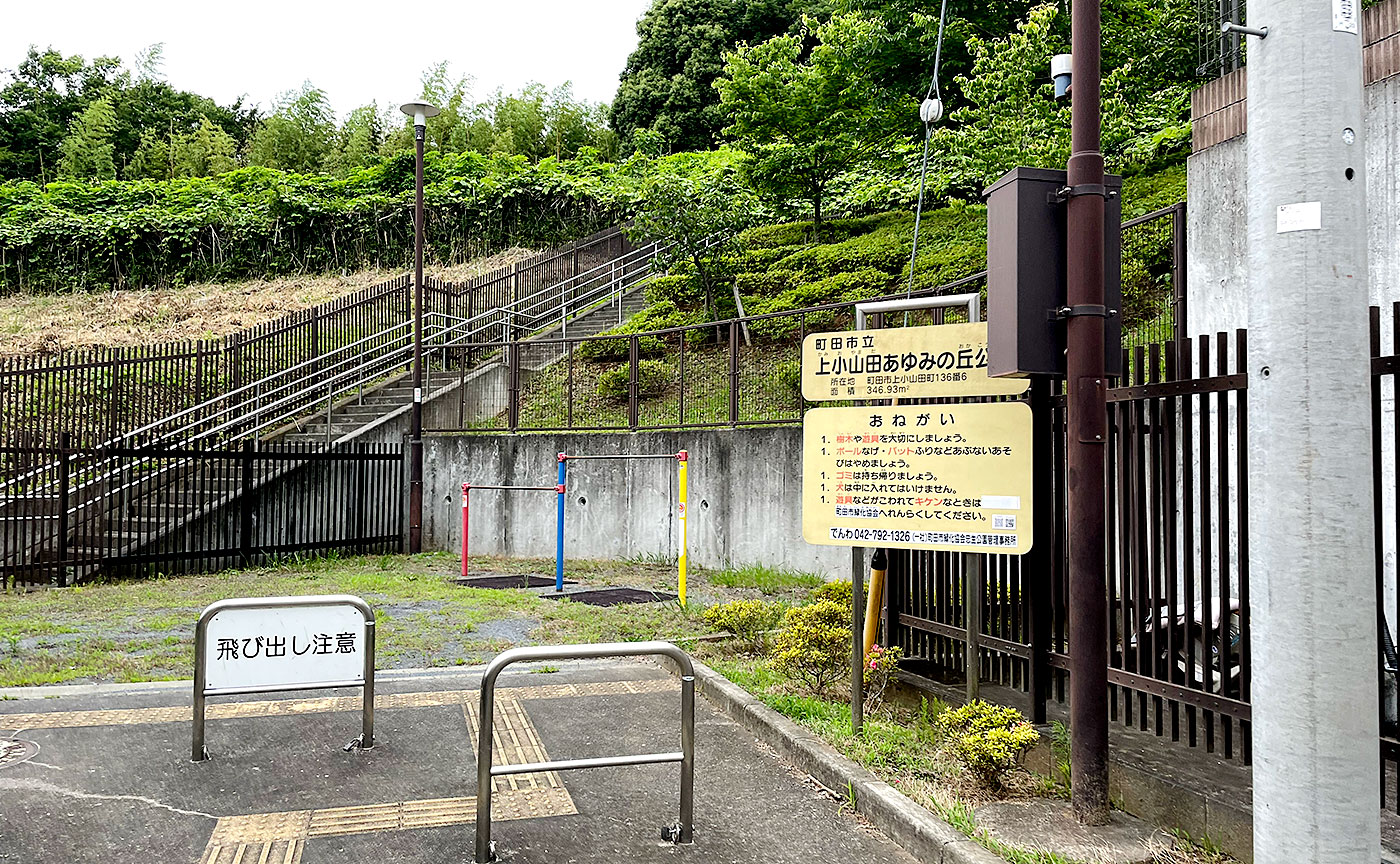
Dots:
pixel 1060 68
pixel 420 111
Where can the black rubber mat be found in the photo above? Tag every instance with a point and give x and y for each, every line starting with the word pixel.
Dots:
pixel 504 580
pixel 616 596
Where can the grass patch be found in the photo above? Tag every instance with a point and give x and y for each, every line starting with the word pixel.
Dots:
pixel 144 630
pixel 900 745
pixel 769 580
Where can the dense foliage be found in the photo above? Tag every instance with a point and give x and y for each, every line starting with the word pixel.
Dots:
pixel 814 644
pixel 667 88
pixel 48 95
pixel 69 118
pixel 987 740
pixel 261 221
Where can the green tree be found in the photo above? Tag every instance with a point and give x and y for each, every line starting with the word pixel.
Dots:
pixel 667 84
pixel 1010 119
pixel 206 151
pixel 86 151
pixel 154 158
pixel 806 121
pixel 449 132
pixel 698 218
pixel 358 141
pixel 41 98
pixel 297 136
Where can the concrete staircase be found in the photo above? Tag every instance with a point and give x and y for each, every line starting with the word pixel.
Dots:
pixel 350 417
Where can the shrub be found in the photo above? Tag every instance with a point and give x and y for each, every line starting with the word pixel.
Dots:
pixel 747 619
pixel 661 316
pixel 987 740
pixel 834 592
pixel 679 290
pixel 813 647
pixel 652 378
pixel 880 664
pixel 765 283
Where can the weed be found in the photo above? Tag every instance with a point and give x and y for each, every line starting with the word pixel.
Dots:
pixel 769 580
pixel 545 670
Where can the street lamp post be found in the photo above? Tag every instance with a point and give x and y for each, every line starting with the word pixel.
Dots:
pixel 420 112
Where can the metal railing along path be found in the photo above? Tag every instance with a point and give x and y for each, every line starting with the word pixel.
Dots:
pixel 680 832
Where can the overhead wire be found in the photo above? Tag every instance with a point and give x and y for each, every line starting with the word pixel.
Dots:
pixel 930 114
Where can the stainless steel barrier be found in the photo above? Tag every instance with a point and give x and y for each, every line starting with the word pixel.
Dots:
pixel 680 832
pixel 348 664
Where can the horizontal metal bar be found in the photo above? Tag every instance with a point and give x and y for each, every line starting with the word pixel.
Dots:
pixel 283 688
pixel 1166 689
pixel 596 762
pixel 621 456
pixel 1154 215
pixel 517 488
pixel 1215 384
pixel 914 303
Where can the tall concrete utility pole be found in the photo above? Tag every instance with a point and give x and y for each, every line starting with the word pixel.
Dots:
pixel 1312 575
pixel 1087 429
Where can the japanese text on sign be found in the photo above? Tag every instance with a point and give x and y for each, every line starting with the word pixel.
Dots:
pixel 901 363
pixel 943 477
pixel 272 647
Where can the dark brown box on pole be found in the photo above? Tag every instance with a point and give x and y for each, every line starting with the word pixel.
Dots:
pixel 1026 274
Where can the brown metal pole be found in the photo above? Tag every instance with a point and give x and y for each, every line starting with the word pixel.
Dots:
pixel 415 478
pixel 1088 644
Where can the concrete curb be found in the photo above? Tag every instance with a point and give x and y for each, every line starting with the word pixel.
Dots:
pixel 915 829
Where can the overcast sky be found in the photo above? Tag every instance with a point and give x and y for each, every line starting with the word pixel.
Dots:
pixel 356 52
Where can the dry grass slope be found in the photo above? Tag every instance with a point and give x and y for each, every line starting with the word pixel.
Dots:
pixel 47 323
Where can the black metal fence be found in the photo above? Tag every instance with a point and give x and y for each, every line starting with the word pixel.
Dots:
pixel 1178 564
pixel 133 511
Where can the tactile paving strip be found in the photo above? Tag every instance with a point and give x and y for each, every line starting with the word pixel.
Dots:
pixel 286 707
pixel 265 838
pixel 278 838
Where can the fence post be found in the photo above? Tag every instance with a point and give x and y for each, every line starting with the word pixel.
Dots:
pixel 65 442
pixel 1036 566
pixel 733 373
pixel 1179 270
pixel 633 387
pixel 513 384
pixel 361 488
pixel 245 504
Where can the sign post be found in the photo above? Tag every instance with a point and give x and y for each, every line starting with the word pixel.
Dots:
pixel 280 644
pixel 909 506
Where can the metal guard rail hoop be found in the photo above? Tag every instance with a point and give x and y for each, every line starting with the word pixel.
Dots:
pixel 677 833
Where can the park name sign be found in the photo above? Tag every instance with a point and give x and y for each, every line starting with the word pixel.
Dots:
pixel 939 477
pixel 277 644
pixel 940 360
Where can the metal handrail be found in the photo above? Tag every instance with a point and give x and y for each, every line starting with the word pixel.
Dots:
pixel 680 832
pixel 269 392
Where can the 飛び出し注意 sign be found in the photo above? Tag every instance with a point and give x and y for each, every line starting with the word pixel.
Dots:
pixel 266 644
pixel 943 477
pixel 257 644
pixel 901 363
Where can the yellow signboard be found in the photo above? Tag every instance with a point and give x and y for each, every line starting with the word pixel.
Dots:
pixel 944 477
pixel 901 363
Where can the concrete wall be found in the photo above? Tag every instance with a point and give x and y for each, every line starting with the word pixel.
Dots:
pixel 1216 242
pixel 745 497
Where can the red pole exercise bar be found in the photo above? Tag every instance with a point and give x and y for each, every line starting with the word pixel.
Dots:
pixel 466 508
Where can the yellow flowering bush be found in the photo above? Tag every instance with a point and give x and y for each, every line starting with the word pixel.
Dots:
pixel 814 644
pixel 746 619
pixel 988 740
